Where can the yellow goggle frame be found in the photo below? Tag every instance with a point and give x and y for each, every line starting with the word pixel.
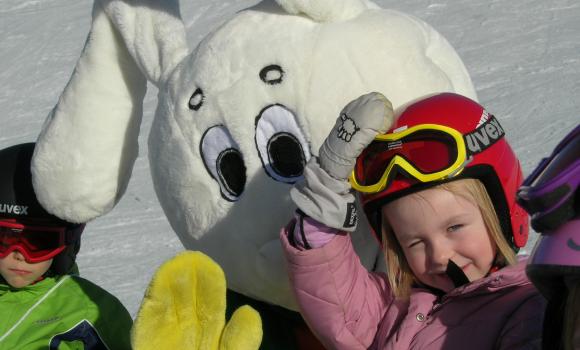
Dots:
pixel 452 170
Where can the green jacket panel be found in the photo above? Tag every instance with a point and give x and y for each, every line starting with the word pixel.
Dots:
pixel 65 312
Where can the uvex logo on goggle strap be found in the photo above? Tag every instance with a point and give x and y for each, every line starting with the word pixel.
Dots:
pixel 13 209
pixel 484 135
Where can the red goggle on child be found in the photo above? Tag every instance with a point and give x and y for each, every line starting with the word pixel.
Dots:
pixel 36 243
pixel 427 152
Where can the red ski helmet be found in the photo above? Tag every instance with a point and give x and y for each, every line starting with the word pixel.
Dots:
pixel 437 139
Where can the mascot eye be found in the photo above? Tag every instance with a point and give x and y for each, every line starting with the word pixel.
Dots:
pixel 281 144
pixel 272 74
pixel 224 162
pixel 196 99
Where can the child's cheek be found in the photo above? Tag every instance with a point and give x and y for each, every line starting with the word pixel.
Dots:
pixel 417 259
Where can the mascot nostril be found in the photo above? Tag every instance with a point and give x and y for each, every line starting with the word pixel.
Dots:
pixel 286 155
pixel 232 172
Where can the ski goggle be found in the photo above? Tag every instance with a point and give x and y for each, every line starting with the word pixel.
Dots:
pixel 549 193
pixel 427 152
pixel 36 243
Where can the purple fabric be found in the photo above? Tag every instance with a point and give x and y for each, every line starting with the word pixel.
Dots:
pixel 348 307
pixel 560 171
pixel 547 194
pixel 561 247
pixel 315 233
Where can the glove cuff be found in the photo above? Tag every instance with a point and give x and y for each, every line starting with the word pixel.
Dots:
pixel 325 199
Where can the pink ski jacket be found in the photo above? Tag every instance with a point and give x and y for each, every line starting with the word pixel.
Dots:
pixel 349 308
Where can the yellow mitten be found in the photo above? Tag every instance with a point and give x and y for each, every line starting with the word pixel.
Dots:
pixel 184 308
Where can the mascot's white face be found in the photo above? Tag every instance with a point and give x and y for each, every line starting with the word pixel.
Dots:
pixel 239 117
pixel 245 113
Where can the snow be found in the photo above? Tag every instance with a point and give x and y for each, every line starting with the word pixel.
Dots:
pixel 523 56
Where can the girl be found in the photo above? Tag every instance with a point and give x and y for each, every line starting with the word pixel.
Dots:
pixel 439 192
pixel 550 194
pixel 42 305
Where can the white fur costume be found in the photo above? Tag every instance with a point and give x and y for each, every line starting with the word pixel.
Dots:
pixel 236 119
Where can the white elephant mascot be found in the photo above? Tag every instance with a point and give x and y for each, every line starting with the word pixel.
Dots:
pixel 237 118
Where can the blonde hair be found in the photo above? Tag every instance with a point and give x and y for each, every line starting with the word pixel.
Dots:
pixel 399 273
pixel 571 314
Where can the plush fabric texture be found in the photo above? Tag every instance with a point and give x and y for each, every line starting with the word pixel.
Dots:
pixel 326 10
pixel 184 308
pixel 270 78
pixel 84 157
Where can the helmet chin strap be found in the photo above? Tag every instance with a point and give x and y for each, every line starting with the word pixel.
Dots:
pixel 456 274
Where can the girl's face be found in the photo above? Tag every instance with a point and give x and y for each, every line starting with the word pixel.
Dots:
pixel 19 273
pixel 434 226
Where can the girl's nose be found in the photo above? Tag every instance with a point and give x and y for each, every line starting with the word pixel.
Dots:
pixel 441 253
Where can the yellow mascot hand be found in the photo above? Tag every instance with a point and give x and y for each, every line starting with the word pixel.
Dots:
pixel 184 308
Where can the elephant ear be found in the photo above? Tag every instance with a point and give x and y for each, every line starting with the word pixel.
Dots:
pixel 327 10
pixel 88 144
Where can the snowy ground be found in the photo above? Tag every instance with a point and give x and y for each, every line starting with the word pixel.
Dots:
pixel 523 55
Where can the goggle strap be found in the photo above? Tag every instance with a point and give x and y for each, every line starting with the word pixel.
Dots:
pixel 484 136
pixel 550 221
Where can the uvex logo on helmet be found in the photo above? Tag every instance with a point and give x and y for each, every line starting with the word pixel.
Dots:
pixel 486 134
pixel 14 209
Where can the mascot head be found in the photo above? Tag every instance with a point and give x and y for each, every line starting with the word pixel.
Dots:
pixel 237 117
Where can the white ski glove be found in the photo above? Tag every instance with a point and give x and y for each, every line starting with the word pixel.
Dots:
pixel 325 193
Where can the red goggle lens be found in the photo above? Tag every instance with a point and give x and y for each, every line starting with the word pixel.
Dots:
pixel 428 151
pixel 36 243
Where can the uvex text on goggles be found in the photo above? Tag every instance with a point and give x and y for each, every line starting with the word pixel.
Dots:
pixel 550 193
pixel 426 152
pixel 35 243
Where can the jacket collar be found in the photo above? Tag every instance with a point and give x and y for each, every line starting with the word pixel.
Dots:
pixel 506 277
pixel 30 291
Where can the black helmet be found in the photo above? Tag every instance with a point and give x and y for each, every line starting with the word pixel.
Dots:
pixel 18 202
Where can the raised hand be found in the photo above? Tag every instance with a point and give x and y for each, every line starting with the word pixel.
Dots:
pixel 324 193
pixel 356 127
pixel 184 308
